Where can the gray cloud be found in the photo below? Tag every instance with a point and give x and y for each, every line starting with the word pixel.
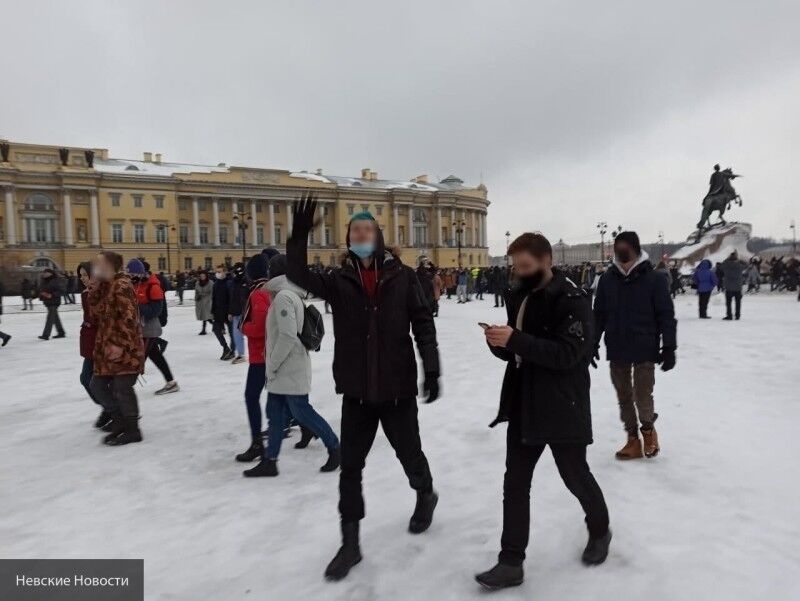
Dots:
pixel 573 112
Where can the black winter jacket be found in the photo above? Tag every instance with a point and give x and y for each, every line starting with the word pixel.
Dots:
pixel 549 391
pixel 636 313
pixel 373 357
pixel 220 299
pixel 239 293
pixel 55 288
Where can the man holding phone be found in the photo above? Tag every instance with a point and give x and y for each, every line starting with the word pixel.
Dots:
pixel 547 344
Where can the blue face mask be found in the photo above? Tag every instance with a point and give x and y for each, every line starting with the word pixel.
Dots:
pixel 364 250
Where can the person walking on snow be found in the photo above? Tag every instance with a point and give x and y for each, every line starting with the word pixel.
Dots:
pixel 375 299
pixel 289 374
pixel 220 303
pixel 239 291
pixel 633 307
pixel 202 300
pixel 705 280
pixel 50 294
pixel 4 338
pixel 86 343
pixel 733 279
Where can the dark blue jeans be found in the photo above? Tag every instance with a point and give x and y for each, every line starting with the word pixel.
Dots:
pixel 282 406
pixel 86 377
pixel 256 380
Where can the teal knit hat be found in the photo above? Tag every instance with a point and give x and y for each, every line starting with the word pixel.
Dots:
pixel 362 216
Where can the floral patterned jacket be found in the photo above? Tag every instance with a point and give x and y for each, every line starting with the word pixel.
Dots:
pixel 119 348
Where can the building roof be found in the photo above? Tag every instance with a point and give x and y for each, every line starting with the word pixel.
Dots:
pixel 151 168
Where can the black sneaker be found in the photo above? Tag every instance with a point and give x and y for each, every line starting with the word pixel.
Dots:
pixel 596 550
pixel 268 468
pixel 423 513
pixel 306 436
pixel 501 576
pixel 102 420
pixel 62 335
pixel 348 555
pixel 255 451
pixel 227 355
pixel 6 338
pixel 334 459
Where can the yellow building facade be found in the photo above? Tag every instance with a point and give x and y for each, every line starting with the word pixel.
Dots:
pixel 60 204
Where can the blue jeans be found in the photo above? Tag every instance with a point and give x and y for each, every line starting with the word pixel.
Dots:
pixel 86 377
pixel 256 380
pixel 280 407
pixel 236 335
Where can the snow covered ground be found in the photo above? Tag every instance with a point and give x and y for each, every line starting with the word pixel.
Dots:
pixel 715 516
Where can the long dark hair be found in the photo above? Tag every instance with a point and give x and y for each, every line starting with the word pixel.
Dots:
pixel 86 266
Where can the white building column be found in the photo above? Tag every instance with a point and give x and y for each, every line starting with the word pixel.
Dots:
pixel 396 224
pixel 271 221
pixel 483 230
pixel 67 219
pixel 453 225
pixel 235 221
pixel 253 224
pixel 195 221
pixel 410 237
pixel 288 220
pixel 94 219
pixel 11 217
pixel 439 236
pixel 215 218
pixel 321 241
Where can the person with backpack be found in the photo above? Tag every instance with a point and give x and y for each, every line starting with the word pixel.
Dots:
pixel 376 300
pixel 152 306
pixel 289 371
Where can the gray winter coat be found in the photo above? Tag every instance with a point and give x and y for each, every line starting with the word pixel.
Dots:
pixel 288 362
pixel 733 274
pixel 202 301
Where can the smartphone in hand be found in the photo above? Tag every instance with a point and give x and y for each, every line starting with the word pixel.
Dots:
pixel 485 326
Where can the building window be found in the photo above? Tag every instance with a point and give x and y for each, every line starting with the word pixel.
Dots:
pixel 365 207
pixel 401 235
pixel 277 234
pixel 184 234
pixel 201 205
pixel 159 202
pixel 259 208
pixel 187 263
pixel 161 234
pixel 333 261
pixel 351 209
pixel 182 204
pixel 223 206
pixel 138 233
pixel 223 234
pixel 277 207
pixel 420 235
pixel 379 210
pixel 328 240
pixel 116 233
pixel 137 201
pixel 209 263
pixel 162 263
pixel 203 234
pixel 39 202
pixel 114 199
pixel 325 210
pixel 260 235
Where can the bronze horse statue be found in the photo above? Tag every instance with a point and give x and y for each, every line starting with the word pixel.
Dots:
pixel 719 198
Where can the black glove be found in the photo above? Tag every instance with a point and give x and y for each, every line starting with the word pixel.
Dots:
pixel 667 358
pixel 303 216
pixel 431 386
pixel 595 357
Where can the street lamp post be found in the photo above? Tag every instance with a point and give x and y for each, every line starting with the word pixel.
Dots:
pixel 459 225
pixel 166 227
pixel 661 243
pixel 602 226
pixel 508 243
pixel 793 227
pixel 242 219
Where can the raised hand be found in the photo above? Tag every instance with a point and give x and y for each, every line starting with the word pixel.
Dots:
pixel 303 211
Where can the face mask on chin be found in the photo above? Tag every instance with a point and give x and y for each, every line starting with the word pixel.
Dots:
pixel 363 250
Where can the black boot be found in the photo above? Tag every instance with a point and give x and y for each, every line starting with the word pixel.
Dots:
pixel 423 512
pixel 306 436
pixel 501 576
pixel 131 433
pixel 348 555
pixel 267 468
pixel 114 428
pixel 254 451
pixel 334 459
pixel 596 550
pixel 102 420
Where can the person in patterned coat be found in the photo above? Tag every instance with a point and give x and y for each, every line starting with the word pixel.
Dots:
pixel 119 350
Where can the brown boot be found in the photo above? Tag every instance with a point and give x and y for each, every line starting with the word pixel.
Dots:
pixel 632 449
pixel 651 448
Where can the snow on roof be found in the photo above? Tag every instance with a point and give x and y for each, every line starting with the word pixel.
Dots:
pixel 128 166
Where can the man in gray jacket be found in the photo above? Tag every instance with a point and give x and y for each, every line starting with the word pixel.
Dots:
pixel 289 373
pixel 732 281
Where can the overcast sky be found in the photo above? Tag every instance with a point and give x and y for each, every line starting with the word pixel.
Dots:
pixel 572 112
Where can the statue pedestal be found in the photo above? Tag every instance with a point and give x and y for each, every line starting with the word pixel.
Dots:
pixel 715 245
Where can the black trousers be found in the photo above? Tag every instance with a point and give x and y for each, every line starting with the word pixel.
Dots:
pixel 116 394
pixel 520 461
pixel 702 299
pixel 218 327
pixel 499 300
pixel 53 320
pixel 736 297
pixel 153 352
pixel 360 421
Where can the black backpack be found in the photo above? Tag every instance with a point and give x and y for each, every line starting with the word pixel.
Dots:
pixel 313 328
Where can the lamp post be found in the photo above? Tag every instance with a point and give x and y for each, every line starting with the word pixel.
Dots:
pixel 508 243
pixel 242 219
pixel 602 227
pixel 166 227
pixel 459 225
pixel 661 243
pixel 793 227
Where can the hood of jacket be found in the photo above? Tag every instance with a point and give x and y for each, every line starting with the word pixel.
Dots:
pixel 644 257
pixel 281 282
pixel 704 264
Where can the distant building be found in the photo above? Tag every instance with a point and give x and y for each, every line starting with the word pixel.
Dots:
pixel 59 205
